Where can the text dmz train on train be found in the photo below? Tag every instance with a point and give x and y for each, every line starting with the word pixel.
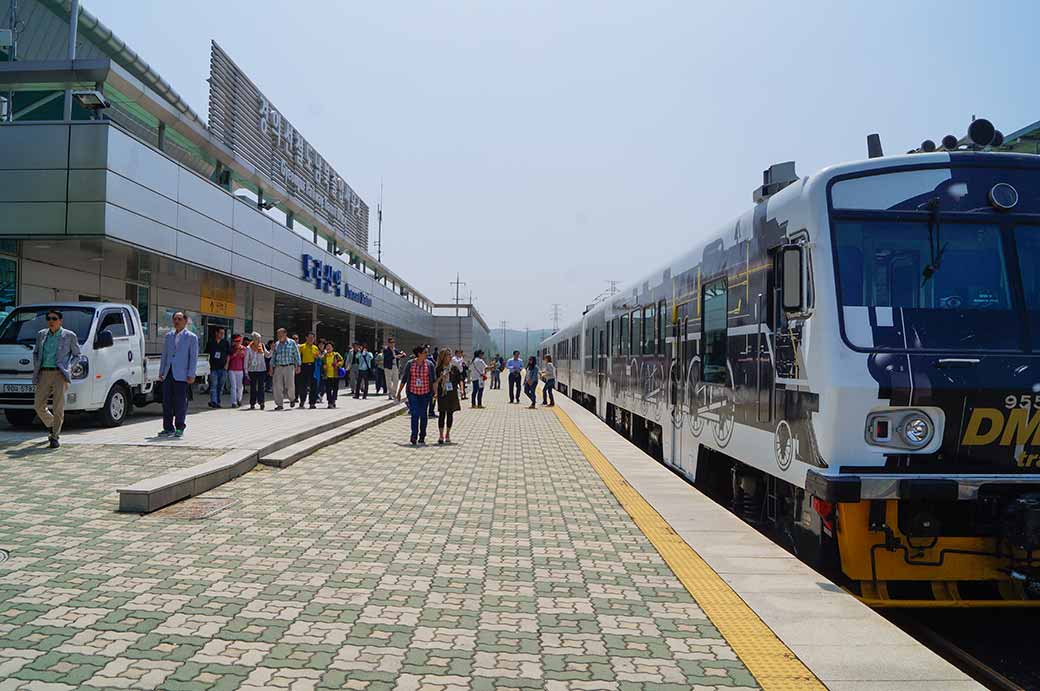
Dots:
pixel 853 364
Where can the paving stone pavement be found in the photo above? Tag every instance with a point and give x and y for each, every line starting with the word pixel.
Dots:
pixel 499 562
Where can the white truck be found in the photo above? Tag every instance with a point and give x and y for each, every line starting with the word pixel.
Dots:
pixel 111 376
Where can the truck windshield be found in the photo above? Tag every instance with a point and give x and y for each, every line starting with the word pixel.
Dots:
pixel 22 325
pixel 892 299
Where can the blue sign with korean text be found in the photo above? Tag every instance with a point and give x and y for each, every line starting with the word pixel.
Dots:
pixel 329 279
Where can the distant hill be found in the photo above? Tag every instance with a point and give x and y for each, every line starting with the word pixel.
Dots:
pixel 517 339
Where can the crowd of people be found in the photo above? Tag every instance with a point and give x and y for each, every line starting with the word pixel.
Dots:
pixel 435 382
pixel 305 372
pixel 310 371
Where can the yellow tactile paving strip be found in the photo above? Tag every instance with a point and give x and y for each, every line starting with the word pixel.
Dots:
pixel 771 662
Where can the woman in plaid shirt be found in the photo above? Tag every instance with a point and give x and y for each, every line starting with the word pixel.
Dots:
pixel 418 377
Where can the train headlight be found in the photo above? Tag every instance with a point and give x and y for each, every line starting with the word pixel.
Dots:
pixel 916 430
pixel 910 430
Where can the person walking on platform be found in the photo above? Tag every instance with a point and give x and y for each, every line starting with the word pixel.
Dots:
pixel 306 391
pixel 180 357
pixel 531 379
pixel 496 372
pixel 257 358
pixel 459 362
pixel 364 364
pixel 218 350
pixel 447 396
pixel 56 348
pixel 432 359
pixel 418 378
pixel 549 377
pixel 269 350
pixel 377 372
pixel 331 364
pixel 236 367
pixel 285 365
pixel 477 377
pixel 392 367
pixel 515 366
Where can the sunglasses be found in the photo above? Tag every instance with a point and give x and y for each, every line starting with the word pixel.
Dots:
pixel 53 319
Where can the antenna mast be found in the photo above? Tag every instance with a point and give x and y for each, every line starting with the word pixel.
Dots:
pixel 379 224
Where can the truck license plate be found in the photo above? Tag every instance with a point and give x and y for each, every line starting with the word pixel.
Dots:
pixel 19 388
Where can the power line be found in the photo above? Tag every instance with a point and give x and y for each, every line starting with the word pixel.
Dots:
pixel 556 316
pixel 502 325
pixel 613 288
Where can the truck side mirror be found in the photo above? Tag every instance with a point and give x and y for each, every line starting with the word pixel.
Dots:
pixel 792 267
pixel 103 340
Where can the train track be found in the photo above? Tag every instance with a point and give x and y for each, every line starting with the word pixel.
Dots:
pixel 973 647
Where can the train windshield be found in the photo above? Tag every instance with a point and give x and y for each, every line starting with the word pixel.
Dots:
pixel 921 286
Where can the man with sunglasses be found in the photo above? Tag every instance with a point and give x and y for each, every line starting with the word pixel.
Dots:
pixel 180 357
pixel 55 349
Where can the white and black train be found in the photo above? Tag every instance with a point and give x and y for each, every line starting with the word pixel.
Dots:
pixel 854 364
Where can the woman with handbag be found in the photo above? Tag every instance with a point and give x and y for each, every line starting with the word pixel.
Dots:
pixel 257 358
pixel 531 379
pixel 549 377
pixel 447 376
pixel 478 375
pixel 331 371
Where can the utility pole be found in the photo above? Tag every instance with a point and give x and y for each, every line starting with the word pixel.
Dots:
pixel 502 325
pixel 458 284
pixel 556 316
pixel 12 55
pixel 73 28
pixel 527 341
pixel 613 288
pixel 379 222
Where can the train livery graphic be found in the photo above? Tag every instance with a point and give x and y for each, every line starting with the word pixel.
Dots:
pixel 854 365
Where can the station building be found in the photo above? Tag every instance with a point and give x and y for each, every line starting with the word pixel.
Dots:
pixel 130 196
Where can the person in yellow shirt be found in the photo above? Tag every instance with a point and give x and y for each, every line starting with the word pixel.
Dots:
pixel 305 379
pixel 331 362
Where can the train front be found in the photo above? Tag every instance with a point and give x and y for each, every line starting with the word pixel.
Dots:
pixel 935 498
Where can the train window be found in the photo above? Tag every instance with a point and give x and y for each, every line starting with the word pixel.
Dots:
pixel 662 325
pixel 636 332
pixel 602 364
pixel 686 347
pixel 624 335
pixel 588 349
pixel 961 303
pixel 714 310
pixel 615 337
pixel 649 331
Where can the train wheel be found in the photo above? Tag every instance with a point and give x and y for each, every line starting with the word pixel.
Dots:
pixel 724 427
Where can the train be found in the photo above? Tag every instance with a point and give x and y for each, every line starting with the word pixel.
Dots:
pixel 853 365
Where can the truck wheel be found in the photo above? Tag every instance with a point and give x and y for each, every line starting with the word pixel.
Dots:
pixel 20 418
pixel 117 406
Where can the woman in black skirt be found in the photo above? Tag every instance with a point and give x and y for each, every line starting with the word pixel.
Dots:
pixel 447 395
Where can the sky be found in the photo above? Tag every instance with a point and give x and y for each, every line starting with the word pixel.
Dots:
pixel 541 149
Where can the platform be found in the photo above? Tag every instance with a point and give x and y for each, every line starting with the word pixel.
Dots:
pixel 539 551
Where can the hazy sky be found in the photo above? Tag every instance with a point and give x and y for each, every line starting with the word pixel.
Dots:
pixel 543 148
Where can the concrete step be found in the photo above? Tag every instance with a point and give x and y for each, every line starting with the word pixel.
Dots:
pixel 285 457
pixel 156 492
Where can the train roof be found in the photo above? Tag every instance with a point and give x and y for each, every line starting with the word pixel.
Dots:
pixel 821 178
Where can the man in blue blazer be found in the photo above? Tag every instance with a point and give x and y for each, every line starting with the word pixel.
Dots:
pixel 180 357
pixel 56 348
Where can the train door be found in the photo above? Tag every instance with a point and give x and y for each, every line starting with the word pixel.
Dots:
pixel 601 374
pixel 675 392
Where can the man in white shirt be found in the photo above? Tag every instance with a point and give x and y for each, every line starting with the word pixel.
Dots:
pixel 477 377
pixel 516 367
